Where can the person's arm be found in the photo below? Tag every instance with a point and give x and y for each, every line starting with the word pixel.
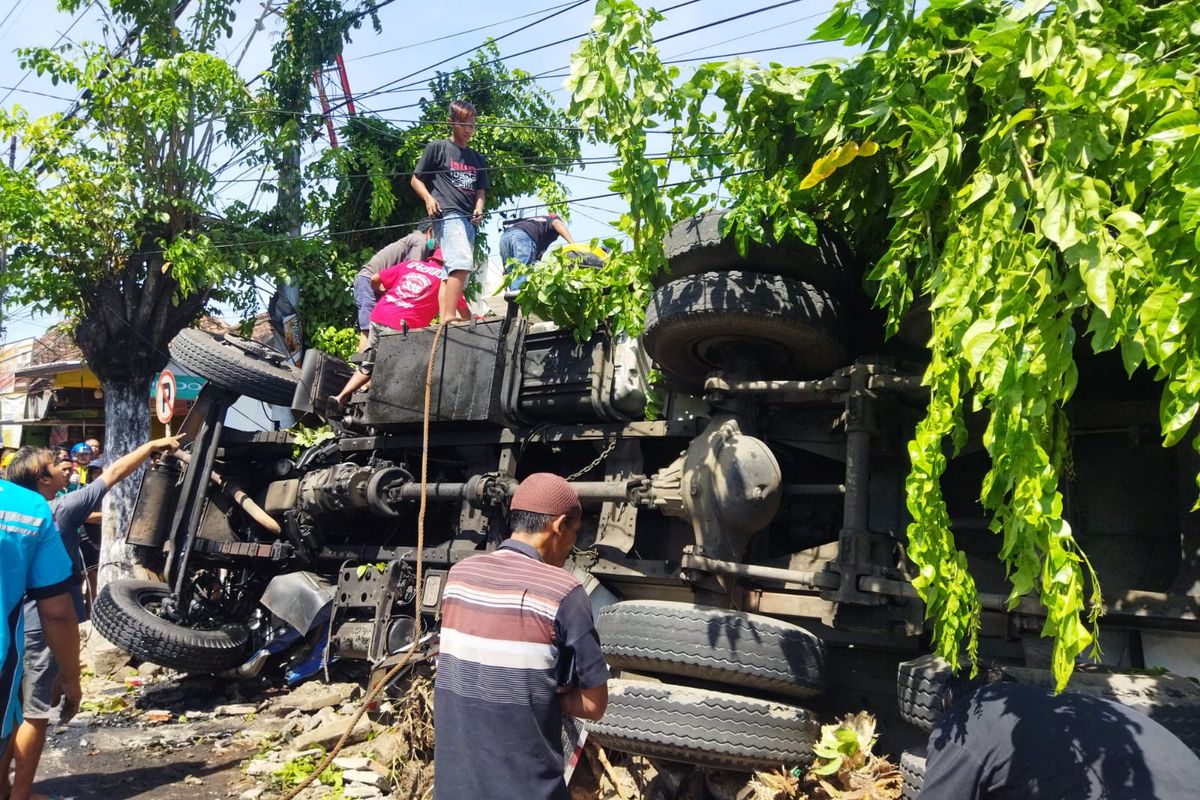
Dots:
pixel 585 703
pixel 385 280
pixel 577 631
pixel 477 217
pixel 562 230
pixel 418 184
pixel 48 580
pixel 127 464
pixel 60 627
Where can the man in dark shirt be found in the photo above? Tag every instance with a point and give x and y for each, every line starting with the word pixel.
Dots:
pixel 36 469
pixel 1009 741
pixel 452 181
pixel 518 650
pixel 525 240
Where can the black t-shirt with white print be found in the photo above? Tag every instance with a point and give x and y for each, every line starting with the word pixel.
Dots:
pixel 453 174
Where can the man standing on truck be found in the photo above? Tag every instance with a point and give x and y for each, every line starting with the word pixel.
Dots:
pixel 452 180
pixel 409 248
pixel 33 564
pixel 518 650
pixel 36 469
pixel 1010 741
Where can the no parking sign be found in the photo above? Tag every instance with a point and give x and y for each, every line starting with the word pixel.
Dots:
pixel 164 398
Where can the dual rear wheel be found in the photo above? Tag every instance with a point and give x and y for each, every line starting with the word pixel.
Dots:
pixel 709 686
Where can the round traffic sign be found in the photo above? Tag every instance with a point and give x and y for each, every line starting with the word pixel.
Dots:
pixel 164 400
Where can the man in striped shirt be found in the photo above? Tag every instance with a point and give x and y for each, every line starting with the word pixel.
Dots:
pixel 518 650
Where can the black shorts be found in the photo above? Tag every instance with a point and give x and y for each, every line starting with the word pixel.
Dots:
pixel 89 546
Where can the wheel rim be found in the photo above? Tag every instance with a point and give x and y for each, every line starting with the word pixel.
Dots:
pixel 253 349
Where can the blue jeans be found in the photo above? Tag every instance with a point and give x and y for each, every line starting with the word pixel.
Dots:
pixel 456 237
pixel 364 298
pixel 516 245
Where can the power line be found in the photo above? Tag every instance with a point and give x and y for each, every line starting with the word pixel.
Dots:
pixel 502 36
pixel 61 36
pixel 460 33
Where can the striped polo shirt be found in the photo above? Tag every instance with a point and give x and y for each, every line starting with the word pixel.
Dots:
pixel 513 628
pixel 33 560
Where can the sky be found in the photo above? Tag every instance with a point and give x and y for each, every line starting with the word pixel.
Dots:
pixel 416 36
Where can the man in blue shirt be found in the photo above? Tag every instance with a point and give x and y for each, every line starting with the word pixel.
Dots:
pixel 33 561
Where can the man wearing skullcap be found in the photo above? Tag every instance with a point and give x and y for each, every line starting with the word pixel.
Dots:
pixel 518 650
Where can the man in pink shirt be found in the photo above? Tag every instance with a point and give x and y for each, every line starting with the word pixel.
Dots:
pixel 408 299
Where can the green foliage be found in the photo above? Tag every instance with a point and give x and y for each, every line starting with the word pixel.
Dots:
pixel 293 773
pixel 304 437
pixel 581 298
pixel 340 342
pixel 1037 168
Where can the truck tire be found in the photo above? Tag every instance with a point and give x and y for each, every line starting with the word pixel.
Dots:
pixel 711 729
pixel 781 328
pixel 695 245
pixel 912 770
pixel 125 615
pixel 237 364
pixel 749 651
pixel 920 688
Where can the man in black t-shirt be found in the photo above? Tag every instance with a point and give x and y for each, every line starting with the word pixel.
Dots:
pixel 452 180
pixel 525 240
pixel 1010 741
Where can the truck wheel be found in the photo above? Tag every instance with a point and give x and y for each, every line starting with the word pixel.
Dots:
pixel 127 614
pixel 744 323
pixel 237 364
pixel 695 245
pixel 912 770
pixel 711 729
pixel 713 644
pixel 920 688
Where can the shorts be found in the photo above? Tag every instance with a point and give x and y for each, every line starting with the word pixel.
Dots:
pixel 38 680
pixel 89 549
pixel 456 237
pixel 364 298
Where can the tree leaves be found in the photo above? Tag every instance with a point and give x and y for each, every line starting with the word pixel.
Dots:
pixel 1039 164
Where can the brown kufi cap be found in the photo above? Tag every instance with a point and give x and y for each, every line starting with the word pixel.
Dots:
pixel 546 493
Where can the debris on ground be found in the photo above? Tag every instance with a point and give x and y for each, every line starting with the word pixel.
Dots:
pixel 153 734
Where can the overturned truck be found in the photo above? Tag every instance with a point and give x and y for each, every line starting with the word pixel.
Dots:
pixel 745 550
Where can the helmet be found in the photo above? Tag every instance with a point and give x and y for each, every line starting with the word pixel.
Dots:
pixel 81 449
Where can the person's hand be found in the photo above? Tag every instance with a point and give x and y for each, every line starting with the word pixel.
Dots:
pixel 167 443
pixel 477 217
pixel 431 207
pixel 70 693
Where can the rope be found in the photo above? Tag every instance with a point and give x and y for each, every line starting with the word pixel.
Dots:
pixel 412 648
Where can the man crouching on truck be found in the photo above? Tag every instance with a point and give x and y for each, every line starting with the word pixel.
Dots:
pixel 518 649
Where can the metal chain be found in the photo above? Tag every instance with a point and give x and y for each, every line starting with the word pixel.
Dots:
pixel 608 448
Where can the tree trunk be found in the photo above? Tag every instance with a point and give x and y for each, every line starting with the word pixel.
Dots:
pixel 127 426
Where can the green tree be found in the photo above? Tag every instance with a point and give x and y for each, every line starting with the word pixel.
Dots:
pixel 114 221
pixel 1027 167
